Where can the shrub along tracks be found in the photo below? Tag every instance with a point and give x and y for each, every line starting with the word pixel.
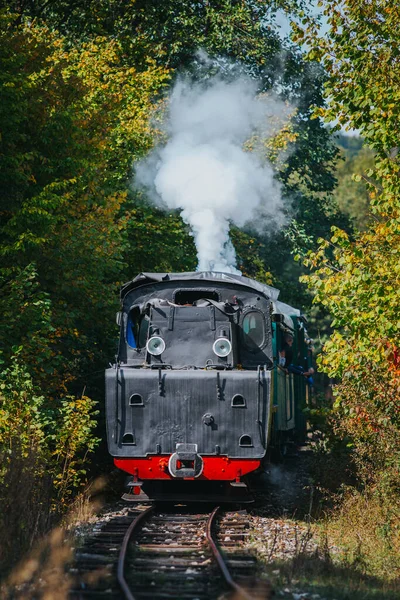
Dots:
pixel 168 552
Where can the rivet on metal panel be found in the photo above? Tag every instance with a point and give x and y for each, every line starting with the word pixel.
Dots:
pixel 160 383
pixel 208 419
pixel 163 464
pixel 219 390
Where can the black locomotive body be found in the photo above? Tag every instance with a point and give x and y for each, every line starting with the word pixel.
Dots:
pixel 195 385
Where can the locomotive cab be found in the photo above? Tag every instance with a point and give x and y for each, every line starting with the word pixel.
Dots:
pixel 204 334
pixel 195 336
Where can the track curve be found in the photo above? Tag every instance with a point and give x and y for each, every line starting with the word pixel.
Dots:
pixel 124 548
pixel 173 553
pixel 241 594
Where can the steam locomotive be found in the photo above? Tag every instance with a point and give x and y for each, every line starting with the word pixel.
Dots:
pixel 196 392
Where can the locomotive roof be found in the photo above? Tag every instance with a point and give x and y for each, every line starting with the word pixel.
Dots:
pixel 148 278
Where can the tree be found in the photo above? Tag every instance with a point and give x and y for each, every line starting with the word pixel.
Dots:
pixel 359 279
pixel 169 32
pixel 70 120
pixel 71 123
pixel 245 32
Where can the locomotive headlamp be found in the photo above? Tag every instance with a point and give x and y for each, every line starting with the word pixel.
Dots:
pixel 222 347
pixel 155 345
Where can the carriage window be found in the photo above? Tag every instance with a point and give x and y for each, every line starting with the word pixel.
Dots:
pixel 253 328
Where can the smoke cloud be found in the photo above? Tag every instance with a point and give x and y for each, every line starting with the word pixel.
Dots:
pixel 204 171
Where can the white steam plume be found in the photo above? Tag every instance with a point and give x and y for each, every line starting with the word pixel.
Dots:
pixel 204 171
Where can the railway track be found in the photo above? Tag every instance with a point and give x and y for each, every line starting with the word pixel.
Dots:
pixel 168 554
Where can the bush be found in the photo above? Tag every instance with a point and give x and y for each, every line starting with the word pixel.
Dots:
pixel 43 449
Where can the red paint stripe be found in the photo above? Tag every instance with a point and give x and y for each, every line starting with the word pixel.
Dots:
pixel 216 468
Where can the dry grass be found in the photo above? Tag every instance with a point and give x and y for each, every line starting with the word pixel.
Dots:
pixel 26 511
pixel 41 572
pixel 356 556
pixel 367 529
pixel 347 549
pixel 86 504
pixel 327 574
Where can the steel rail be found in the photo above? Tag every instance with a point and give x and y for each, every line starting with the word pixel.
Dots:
pixel 124 547
pixel 241 593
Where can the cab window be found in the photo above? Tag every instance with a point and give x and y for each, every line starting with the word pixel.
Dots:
pixel 253 330
pixel 137 329
pixel 143 331
pixel 131 330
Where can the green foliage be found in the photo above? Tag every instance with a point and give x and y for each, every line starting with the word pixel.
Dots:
pixel 22 421
pixel 249 249
pixel 351 144
pixel 359 279
pixel 158 241
pixel 29 327
pixel 169 35
pixel 43 456
pixel 58 434
pixel 72 440
pixel 356 280
pixel 71 122
pixel 351 193
pixel 170 32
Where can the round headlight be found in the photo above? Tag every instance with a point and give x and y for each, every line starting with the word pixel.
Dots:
pixel 222 347
pixel 155 346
